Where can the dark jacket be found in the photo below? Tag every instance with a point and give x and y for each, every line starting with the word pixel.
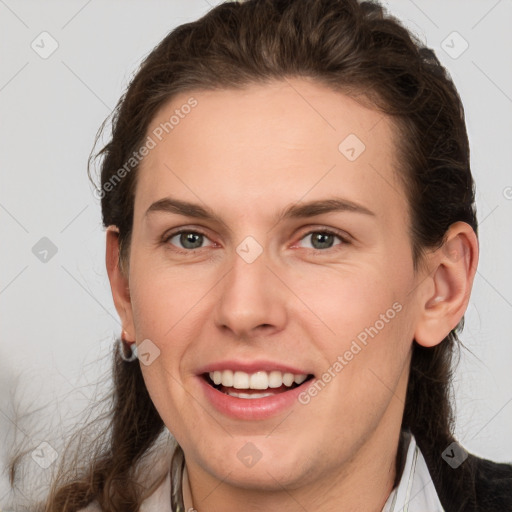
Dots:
pixel 477 485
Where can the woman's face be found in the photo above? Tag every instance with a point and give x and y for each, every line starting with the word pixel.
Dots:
pixel 270 278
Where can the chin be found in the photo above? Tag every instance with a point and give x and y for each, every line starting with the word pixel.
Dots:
pixel 259 467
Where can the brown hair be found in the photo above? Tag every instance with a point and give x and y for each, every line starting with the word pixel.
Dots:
pixel 359 50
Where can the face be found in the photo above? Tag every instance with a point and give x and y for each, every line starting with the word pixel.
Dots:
pixel 295 259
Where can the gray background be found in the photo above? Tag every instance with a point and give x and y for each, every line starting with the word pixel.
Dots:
pixel 58 318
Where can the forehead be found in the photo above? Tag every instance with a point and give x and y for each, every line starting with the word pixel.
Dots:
pixel 270 143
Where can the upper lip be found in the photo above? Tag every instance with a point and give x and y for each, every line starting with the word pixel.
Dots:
pixel 252 367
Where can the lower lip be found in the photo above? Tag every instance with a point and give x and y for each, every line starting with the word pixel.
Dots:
pixel 252 408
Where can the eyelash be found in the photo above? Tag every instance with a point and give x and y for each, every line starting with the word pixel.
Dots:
pixel 343 238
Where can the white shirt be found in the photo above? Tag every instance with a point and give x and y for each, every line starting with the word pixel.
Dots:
pixel 415 491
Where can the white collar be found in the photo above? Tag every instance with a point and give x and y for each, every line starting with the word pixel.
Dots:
pixel 415 492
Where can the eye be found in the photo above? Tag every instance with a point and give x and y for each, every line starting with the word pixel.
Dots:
pixel 186 239
pixel 323 239
pixel 191 240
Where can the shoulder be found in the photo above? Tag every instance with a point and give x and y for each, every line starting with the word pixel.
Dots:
pixel 477 485
pixel 158 501
pixel 493 484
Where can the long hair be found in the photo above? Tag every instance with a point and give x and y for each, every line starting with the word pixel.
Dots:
pixel 355 48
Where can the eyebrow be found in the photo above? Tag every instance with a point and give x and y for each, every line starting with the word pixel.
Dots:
pixel 295 211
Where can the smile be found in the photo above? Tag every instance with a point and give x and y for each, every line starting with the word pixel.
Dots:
pixel 228 381
pixel 255 395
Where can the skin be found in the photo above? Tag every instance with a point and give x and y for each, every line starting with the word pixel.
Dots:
pixel 247 155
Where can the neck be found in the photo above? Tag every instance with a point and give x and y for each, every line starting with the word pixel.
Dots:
pixel 363 485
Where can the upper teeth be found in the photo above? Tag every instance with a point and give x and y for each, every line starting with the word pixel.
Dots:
pixel 258 380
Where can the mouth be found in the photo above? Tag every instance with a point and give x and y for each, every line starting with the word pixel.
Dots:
pixel 257 385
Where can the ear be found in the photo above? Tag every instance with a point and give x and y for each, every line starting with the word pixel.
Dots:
pixel 119 284
pixel 445 293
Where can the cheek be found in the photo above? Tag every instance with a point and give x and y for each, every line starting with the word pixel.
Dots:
pixel 365 331
pixel 164 300
pixel 349 300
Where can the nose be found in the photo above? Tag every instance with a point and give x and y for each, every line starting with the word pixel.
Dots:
pixel 252 299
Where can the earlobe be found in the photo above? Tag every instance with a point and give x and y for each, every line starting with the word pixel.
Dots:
pixel 119 283
pixel 447 288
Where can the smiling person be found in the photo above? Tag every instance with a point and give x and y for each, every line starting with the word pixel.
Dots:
pixel 291 245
